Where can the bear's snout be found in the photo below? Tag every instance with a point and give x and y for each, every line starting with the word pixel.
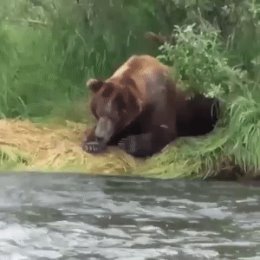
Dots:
pixel 104 130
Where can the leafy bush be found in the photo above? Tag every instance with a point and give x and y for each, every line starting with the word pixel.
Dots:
pixel 201 61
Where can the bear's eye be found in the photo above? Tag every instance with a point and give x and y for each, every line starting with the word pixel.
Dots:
pixel 120 102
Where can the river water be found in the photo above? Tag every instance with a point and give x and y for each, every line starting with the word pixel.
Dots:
pixel 62 216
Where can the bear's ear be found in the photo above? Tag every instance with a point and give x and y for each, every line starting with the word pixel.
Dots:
pixel 94 84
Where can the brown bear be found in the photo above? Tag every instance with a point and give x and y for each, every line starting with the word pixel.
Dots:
pixel 140 109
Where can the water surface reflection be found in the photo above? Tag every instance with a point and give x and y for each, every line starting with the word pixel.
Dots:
pixel 44 216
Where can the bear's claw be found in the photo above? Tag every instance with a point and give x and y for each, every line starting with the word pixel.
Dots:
pixel 92 147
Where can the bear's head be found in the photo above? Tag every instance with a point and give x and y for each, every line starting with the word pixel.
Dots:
pixel 113 106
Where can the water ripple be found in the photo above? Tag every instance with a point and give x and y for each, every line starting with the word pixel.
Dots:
pixel 79 217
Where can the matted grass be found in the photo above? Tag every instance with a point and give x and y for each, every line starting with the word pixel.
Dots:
pixel 35 147
pixel 29 146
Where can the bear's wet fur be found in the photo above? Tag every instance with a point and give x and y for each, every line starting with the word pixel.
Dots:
pixel 140 109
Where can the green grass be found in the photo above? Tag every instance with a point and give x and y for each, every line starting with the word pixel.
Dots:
pixel 11 158
pixel 49 48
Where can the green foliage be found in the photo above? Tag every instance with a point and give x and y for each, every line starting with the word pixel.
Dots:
pixel 202 60
pixel 49 48
pixel 33 80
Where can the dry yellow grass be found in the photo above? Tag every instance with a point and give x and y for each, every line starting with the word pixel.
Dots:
pixel 29 146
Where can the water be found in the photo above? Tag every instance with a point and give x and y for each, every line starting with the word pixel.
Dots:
pixel 79 217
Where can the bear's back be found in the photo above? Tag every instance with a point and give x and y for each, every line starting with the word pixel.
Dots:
pixel 145 74
pixel 140 66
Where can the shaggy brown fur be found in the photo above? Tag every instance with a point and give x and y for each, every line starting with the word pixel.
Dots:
pixel 140 109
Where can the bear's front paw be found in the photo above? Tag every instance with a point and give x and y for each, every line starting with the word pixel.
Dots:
pixel 93 147
pixel 128 144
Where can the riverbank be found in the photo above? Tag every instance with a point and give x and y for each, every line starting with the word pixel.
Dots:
pixel 52 147
pixel 25 145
